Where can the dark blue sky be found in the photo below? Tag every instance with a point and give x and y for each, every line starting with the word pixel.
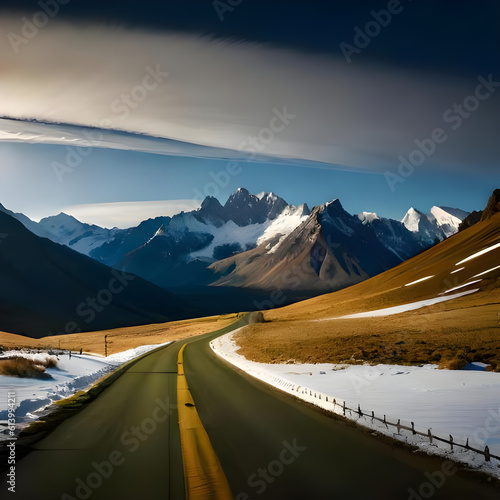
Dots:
pixel 459 36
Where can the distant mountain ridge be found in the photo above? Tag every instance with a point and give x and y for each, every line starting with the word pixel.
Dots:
pixel 330 250
pixel 47 288
pixel 439 224
pixel 183 250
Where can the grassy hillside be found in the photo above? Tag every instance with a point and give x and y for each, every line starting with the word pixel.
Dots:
pixel 450 333
pixel 120 339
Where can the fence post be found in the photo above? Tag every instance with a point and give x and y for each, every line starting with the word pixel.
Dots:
pixel 487 454
pixel 359 411
pixel 467 444
pixel 384 419
pixel 399 426
pixel 344 408
pixel 373 414
pixel 451 442
pixel 429 433
pixel 413 428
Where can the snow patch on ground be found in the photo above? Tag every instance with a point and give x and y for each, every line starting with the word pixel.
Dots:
pixel 477 254
pixel 461 403
pixel 420 280
pixel 402 308
pixel 486 272
pixel 70 376
pixel 460 286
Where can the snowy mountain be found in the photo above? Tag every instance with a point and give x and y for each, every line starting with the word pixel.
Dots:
pixel 188 243
pixel 329 250
pixel 439 224
pixel 394 235
pixel 67 230
pixel 448 219
pixel 179 251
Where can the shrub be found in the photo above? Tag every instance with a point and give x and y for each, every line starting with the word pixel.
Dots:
pixel 457 364
pixel 19 366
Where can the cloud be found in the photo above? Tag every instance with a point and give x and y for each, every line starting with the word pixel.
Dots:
pixel 218 94
pixel 128 214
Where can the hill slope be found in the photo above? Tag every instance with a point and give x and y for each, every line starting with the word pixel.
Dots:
pixel 330 250
pixel 450 333
pixel 47 288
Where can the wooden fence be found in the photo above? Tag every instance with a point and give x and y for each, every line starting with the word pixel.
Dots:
pixel 341 404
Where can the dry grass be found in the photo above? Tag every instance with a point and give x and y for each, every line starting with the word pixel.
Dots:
pixel 26 368
pixel 121 339
pixel 450 333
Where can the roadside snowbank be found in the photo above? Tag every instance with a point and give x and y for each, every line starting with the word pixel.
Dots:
pixel 461 403
pixel 71 375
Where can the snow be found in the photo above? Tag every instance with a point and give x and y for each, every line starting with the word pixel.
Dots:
pixel 403 307
pixel 367 217
pixel 460 269
pixel 463 403
pixel 486 272
pixel 477 254
pixel 252 234
pixel 71 375
pixel 412 219
pixel 66 230
pixel 420 280
pixel 460 286
pixel 284 224
pixel 230 233
pixel 448 218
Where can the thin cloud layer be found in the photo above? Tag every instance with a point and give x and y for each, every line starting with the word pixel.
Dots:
pixel 228 95
pixel 128 214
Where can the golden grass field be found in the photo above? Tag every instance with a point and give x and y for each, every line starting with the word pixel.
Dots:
pixel 121 339
pixel 449 333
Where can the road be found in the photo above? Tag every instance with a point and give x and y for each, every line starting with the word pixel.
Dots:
pixel 126 443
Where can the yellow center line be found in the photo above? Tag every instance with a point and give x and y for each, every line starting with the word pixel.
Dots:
pixel 203 472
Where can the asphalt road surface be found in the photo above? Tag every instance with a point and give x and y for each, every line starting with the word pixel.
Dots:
pixel 126 444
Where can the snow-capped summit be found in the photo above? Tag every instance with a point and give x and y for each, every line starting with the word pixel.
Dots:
pixel 67 230
pixel 425 229
pixel 244 208
pixel 437 225
pixel 448 218
pixel 367 217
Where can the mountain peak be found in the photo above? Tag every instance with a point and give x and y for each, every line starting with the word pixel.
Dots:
pixel 244 208
pixel 493 205
pixel 367 217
